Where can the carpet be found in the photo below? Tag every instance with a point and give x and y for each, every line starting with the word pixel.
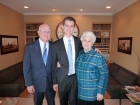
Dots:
pixel 28 98
pixel 25 94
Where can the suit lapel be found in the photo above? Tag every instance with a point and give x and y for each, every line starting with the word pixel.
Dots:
pixel 76 47
pixel 63 50
pixel 38 50
pixel 49 59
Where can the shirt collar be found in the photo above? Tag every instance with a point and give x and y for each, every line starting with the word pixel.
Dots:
pixel 42 43
pixel 65 38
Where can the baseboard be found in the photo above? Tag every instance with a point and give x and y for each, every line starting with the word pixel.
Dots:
pixel 24 94
pixel 107 96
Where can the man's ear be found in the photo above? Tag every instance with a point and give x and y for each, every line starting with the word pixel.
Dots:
pixel 38 32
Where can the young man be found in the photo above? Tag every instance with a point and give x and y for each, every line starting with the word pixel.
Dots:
pixel 64 79
pixel 37 67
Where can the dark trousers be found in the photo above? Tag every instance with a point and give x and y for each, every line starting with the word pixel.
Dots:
pixel 69 94
pixel 83 102
pixel 39 96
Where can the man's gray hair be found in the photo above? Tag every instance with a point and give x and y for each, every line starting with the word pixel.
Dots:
pixel 89 34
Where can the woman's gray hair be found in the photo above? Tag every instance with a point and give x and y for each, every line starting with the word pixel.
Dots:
pixel 89 34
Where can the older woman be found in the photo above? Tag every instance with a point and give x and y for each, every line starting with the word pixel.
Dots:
pixel 92 73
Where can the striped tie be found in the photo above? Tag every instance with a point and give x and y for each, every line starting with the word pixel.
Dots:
pixel 45 54
pixel 70 58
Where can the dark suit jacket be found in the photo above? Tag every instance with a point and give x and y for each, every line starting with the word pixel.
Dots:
pixel 60 55
pixel 35 71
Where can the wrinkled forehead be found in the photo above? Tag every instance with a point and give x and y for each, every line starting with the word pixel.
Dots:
pixel 44 27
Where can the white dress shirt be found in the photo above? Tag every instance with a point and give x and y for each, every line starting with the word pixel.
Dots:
pixel 42 46
pixel 65 39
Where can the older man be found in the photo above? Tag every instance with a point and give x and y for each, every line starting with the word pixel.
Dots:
pixel 37 66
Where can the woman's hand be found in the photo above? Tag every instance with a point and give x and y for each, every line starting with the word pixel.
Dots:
pixel 99 97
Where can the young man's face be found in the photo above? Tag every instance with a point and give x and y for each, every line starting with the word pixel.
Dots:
pixel 68 28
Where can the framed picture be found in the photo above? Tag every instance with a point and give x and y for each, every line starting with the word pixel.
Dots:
pixel 105 33
pixel 125 45
pixel 8 44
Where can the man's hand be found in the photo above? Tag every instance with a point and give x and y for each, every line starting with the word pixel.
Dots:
pixel 99 97
pixel 97 50
pixel 58 65
pixel 31 89
pixel 55 87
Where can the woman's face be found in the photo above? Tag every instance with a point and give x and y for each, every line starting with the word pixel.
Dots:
pixel 87 43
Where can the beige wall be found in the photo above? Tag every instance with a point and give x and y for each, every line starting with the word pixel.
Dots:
pixel 83 21
pixel 126 23
pixel 11 23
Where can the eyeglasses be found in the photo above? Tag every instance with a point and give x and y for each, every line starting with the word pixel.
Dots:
pixel 44 31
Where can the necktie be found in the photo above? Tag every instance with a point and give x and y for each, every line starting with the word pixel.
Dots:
pixel 45 54
pixel 70 58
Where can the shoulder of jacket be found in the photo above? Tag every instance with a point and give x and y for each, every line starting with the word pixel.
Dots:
pixel 30 44
pixel 75 37
pixel 57 41
pixel 99 55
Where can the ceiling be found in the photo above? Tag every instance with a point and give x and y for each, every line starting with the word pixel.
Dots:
pixel 70 7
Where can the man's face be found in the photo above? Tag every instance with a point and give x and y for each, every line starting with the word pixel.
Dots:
pixel 44 33
pixel 68 28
